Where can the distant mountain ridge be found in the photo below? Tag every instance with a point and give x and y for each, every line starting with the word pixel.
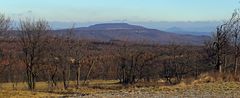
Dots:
pixel 183 31
pixel 134 33
pixel 112 26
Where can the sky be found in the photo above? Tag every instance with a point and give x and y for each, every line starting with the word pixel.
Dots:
pixel 188 15
pixel 120 10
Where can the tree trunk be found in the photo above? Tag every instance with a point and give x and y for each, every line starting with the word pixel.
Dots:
pixel 78 75
pixel 218 64
pixel 30 79
pixel 236 66
pixel 65 80
pixel 89 71
pixel 235 53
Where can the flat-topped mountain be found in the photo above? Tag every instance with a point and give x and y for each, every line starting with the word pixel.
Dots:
pixel 134 33
pixel 112 26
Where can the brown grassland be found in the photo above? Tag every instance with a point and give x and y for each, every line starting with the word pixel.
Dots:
pixel 112 89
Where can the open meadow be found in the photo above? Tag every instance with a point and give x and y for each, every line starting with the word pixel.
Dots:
pixel 112 89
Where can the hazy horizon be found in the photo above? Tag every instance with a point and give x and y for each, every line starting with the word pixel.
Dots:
pixel 195 28
pixel 120 10
pixel 188 15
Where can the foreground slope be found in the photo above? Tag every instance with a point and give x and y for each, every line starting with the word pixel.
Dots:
pixel 111 89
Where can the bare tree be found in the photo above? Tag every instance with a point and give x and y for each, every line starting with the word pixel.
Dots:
pixel 4 24
pixel 135 62
pixel 225 44
pixel 234 26
pixel 32 40
pixel 64 55
pixel 51 62
pixel 78 58
pixel 4 29
pixel 220 44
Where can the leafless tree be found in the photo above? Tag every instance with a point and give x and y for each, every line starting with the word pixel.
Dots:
pixel 4 29
pixel 32 41
pixel 220 46
pixel 135 63
pixel 4 24
pixel 64 54
pixel 234 29
pixel 78 55
pixel 51 62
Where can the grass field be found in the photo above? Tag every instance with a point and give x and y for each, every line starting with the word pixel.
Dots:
pixel 42 90
pixel 111 89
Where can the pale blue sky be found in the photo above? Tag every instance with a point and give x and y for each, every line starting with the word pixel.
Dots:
pixel 116 10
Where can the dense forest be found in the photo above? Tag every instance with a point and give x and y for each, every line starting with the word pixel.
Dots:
pixel 33 53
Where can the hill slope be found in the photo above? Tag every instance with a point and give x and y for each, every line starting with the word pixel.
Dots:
pixel 134 33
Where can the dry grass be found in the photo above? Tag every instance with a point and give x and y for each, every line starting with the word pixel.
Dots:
pixel 42 90
pixel 112 86
pixel 25 94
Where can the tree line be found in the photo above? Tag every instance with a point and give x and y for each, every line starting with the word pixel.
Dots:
pixel 34 52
